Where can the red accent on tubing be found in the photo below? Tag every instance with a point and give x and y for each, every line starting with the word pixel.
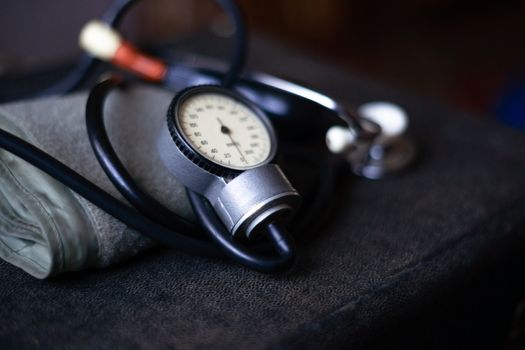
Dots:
pixel 128 57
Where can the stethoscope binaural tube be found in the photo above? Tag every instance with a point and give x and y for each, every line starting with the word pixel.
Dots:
pixel 113 17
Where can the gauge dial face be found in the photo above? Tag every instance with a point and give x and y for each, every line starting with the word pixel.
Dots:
pixel 224 130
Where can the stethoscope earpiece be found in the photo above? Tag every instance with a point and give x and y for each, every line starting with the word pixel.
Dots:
pixel 388 152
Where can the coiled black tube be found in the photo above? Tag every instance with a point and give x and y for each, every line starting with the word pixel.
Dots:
pixel 154 210
pixel 114 168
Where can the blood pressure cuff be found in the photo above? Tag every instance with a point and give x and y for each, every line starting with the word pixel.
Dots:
pixel 47 229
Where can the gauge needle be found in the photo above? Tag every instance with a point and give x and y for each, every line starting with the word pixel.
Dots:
pixel 227 131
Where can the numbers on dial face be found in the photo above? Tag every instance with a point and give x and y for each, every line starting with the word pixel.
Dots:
pixel 224 130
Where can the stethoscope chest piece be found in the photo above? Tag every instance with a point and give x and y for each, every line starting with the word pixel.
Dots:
pixel 220 145
pixel 384 158
pixel 382 149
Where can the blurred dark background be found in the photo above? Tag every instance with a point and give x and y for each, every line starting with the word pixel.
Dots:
pixel 468 54
pixel 464 53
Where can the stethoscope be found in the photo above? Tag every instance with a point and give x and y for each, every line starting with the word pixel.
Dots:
pixel 219 141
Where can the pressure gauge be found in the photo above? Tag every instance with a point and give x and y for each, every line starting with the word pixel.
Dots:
pixel 221 145
pixel 223 128
pixel 220 130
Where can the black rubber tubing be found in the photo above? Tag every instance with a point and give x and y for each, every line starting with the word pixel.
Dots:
pixel 156 211
pixel 114 15
pixel 102 199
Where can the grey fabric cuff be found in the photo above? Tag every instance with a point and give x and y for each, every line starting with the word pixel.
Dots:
pixel 47 229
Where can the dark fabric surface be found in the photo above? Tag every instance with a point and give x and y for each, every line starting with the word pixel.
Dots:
pixel 406 261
